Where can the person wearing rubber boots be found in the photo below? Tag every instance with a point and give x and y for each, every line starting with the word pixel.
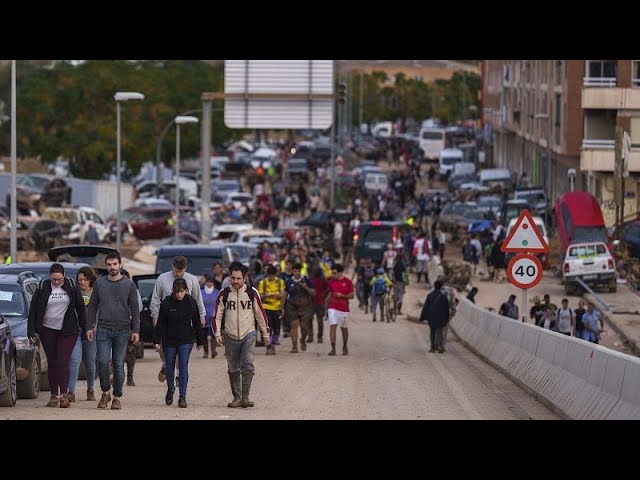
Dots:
pixel 238 313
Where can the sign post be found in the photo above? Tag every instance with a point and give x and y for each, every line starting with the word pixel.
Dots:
pixel 525 270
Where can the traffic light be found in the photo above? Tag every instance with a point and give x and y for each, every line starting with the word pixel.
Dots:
pixel 342 93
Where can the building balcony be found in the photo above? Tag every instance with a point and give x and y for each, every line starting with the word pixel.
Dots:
pixel 610 98
pixel 599 156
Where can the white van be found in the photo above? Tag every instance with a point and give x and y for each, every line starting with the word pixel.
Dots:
pixel 382 129
pixel 375 182
pixel 492 177
pixel 448 158
pixel 434 139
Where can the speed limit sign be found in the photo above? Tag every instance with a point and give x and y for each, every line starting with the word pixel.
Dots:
pixel 524 271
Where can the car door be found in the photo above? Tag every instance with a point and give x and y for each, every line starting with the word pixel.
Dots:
pixel 146 284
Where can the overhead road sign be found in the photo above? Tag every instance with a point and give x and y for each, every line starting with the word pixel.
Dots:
pixel 278 94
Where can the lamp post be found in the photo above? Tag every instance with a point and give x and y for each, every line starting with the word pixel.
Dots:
pixel 121 97
pixel 180 119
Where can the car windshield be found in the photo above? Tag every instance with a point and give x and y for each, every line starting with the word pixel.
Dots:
pixel 590 234
pixel 591 250
pixel 12 301
pixel 196 265
pixel 145 287
pixel 378 235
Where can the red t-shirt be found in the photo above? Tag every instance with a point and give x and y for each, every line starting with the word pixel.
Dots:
pixel 344 286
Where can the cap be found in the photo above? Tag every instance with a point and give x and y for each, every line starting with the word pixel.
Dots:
pixel 535 299
pixel 381 270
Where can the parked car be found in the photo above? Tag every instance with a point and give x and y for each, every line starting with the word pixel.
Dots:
pixel 579 220
pixel 144 223
pixel 298 168
pixel 41 269
pixel 372 238
pixel 590 262
pixel 8 368
pixel 146 284
pixel 16 292
pixel 74 222
pixel 320 219
pixel 200 257
pixel 36 192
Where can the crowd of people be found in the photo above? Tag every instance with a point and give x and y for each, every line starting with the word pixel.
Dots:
pixel 586 324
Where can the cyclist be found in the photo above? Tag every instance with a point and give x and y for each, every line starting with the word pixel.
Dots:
pixel 380 285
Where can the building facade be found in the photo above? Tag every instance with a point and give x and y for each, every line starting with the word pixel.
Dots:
pixel 550 116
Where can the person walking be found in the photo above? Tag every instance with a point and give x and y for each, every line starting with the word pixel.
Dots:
pixel 379 286
pixel 132 347
pixel 320 286
pixel 436 312
pixel 579 313
pixel 299 307
pixel 164 287
pixel 114 308
pixel 340 292
pixel 237 332
pixel 84 350
pixel 177 327
pixel 210 291
pixel 400 275
pixel 57 313
pixel 590 320
pixel 509 308
pixel 273 292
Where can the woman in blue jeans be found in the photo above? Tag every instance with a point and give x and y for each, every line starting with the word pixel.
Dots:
pixel 178 325
pixel 84 350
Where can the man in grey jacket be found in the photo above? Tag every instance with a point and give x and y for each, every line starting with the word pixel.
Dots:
pixel 114 307
pixel 163 288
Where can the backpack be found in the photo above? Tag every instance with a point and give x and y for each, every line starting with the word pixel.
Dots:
pixel 379 286
pixel 468 252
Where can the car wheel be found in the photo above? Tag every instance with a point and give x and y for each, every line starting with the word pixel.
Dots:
pixel 140 350
pixel 30 386
pixel 8 398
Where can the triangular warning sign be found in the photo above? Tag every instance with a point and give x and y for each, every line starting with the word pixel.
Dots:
pixel 525 236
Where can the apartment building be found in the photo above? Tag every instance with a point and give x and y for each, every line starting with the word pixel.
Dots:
pixel 549 116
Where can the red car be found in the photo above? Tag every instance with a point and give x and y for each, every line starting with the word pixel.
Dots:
pixel 145 222
pixel 579 220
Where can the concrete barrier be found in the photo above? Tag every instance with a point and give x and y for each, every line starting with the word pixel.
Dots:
pixel 577 379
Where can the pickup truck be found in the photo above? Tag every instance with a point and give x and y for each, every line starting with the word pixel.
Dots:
pixel 590 262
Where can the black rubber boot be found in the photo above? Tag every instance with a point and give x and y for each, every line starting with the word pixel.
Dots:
pixel 236 390
pixel 247 378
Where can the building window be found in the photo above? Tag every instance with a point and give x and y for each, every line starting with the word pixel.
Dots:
pixel 419 78
pixel 558 71
pixel 527 67
pixel 635 75
pixel 601 73
pixel 506 72
pixel 635 132
pixel 557 118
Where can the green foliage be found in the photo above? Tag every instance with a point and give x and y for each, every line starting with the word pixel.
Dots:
pixel 448 100
pixel 70 110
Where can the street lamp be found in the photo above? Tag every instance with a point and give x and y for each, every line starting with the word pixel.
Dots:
pixel 180 119
pixel 121 97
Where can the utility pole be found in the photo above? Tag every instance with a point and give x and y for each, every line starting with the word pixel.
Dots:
pixel 619 180
pixel 361 104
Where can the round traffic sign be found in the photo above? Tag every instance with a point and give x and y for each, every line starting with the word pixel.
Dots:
pixel 524 271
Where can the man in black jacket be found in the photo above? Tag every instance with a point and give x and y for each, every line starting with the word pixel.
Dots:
pixel 57 314
pixel 436 312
